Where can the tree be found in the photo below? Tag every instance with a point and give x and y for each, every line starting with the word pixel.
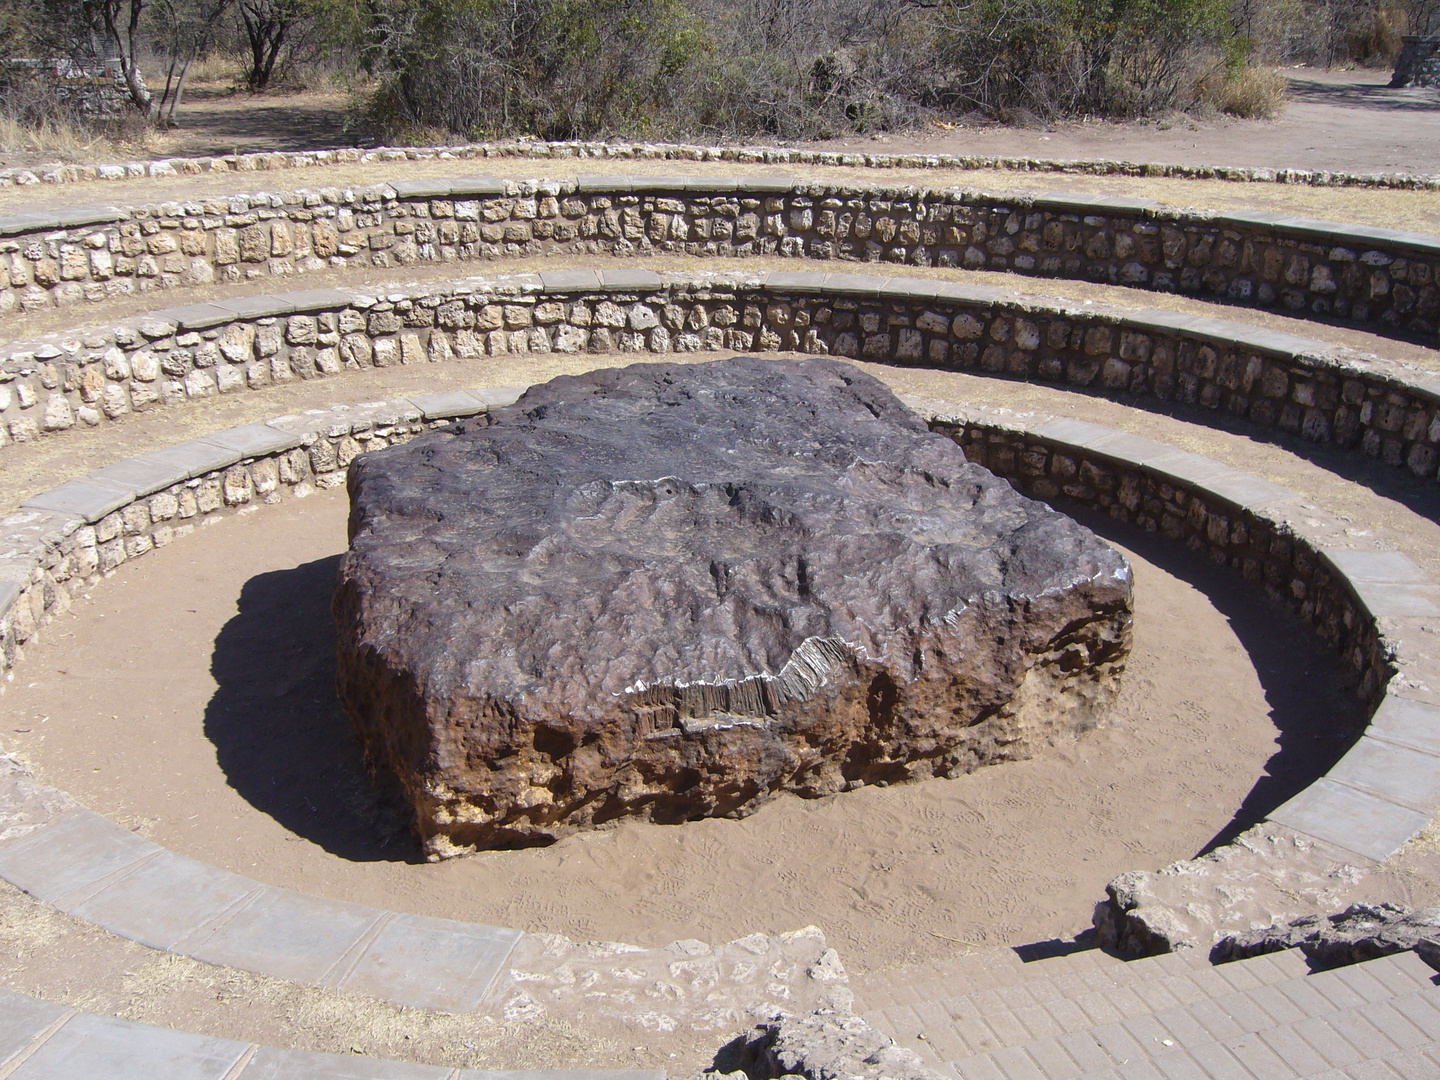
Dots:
pixel 189 28
pixel 269 27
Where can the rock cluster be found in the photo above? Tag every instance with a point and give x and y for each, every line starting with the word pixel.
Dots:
pixel 1361 932
pixel 671 591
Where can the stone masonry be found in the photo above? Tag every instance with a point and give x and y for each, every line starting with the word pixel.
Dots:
pixel 1379 278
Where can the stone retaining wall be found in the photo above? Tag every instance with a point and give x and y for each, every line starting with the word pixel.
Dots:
pixel 1229 531
pixel 62 173
pixel 62 542
pixel 1383 279
pixel 1276 381
pixel 1375 607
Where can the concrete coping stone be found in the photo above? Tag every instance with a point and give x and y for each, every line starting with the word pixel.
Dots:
pixel 796 281
pixel 144 475
pixel 478 185
pixel 421 189
pixel 85 498
pixel 866 285
pixel 257 307
pixel 497 397
pixel 16 224
pixel 630 279
pixel 1410 723
pixel 40 1040
pixel 564 281
pixel 1081 201
pixel 1358 821
pixel 590 184
pixel 318 299
pixel 1400 774
pixel 76 216
pixel 455 403
pixel 195 457
pixel 254 440
pixel 197 316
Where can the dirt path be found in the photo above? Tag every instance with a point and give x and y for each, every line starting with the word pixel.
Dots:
pixel 1341 121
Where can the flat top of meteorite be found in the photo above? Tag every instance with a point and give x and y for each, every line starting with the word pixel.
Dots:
pixel 686 523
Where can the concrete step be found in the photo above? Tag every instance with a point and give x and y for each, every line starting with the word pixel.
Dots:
pixel 1296 1025
pixel 40 1040
pixel 1060 997
pixel 1001 969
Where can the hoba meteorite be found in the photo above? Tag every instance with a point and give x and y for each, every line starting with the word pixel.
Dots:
pixel 671 591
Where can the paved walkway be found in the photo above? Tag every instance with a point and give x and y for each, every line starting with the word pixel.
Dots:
pixel 1088 1016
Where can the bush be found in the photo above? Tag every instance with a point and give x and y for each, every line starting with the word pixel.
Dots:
pixel 1251 93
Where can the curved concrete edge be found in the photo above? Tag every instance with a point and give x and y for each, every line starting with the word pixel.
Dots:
pixel 62 173
pixel 40 1040
pixel 1381 409
pixel 1375 606
pixel 1382 279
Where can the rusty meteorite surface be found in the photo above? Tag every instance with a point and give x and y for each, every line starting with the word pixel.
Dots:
pixel 671 591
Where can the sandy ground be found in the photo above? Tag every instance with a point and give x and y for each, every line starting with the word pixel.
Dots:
pixel 192 697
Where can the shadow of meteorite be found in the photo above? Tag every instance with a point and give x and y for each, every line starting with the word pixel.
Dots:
pixel 279 732
pixel 1313 704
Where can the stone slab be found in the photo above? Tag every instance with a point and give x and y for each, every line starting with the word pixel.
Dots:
pixel 497 397
pixel 70 855
pixel 197 316
pixel 1356 821
pixel 971 294
pixel 253 440
pixel 161 902
pixel 9 593
pixel 630 279
pixel 588 183
pixel 143 475
pixel 1412 723
pixel 16 224
pixel 87 499
pixel 421 189
pixel 1079 433
pixel 21 1019
pixel 195 457
pixel 1399 773
pixel 1249 492
pixel 1393 600
pixel 867 285
pixel 1375 566
pixel 74 216
pixel 289 935
pixel 796 282
pixel 451 403
pixel 103 1048
pixel 257 307
pixel 270 1063
pixel 564 281
pixel 432 963
pixel 319 299
pixel 477 185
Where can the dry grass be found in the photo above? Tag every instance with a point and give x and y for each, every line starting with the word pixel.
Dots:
pixel 58 139
pixel 1254 94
